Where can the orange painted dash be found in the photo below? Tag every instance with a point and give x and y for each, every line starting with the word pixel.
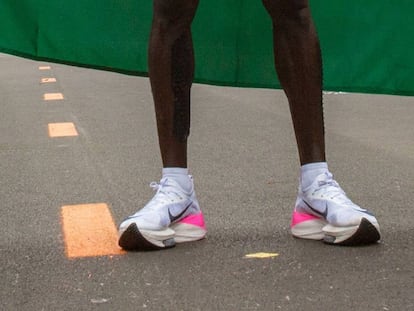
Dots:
pixel 62 129
pixel 53 96
pixel 48 80
pixel 89 231
pixel 44 67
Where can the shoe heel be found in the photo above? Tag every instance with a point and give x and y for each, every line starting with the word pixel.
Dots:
pixel 190 228
pixel 306 226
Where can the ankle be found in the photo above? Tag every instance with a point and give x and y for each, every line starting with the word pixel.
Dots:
pixel 310 171
pixel 179 175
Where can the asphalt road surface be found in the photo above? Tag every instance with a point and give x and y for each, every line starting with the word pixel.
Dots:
pixel 243 157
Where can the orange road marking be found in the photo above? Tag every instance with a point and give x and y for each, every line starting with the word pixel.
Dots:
pixel 48 80
pixel 44 67
pixel 62 129
pixel 53 96
pixel 89 231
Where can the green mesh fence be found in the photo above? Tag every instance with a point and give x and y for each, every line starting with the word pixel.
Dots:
pixel 367 45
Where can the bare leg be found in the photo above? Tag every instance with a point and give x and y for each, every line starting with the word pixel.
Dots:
pixel 299 67
pixel 171 70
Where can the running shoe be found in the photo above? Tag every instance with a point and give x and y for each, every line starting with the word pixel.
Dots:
pixel 171 216
pixel 324 212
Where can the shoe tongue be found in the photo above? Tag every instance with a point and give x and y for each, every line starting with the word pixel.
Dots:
pixel 332 187
pixel 164 194
pixel 326 178
pixel 168 183
pixel 169 187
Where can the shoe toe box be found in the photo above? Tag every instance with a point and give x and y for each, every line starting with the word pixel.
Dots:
pixel 346 217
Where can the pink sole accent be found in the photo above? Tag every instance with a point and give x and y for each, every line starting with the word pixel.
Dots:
pixel 196 220
pixel 298 218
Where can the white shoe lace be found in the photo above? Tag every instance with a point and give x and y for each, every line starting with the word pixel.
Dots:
pixel 162 194
pixel 328 187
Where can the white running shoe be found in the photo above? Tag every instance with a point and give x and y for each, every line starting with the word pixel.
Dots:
pixel 171 216
pixel 323 211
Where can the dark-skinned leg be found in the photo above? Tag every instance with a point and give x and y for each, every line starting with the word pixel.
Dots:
pixel 299 67
pixel 322 209
pixel 171 68
pixel 173 215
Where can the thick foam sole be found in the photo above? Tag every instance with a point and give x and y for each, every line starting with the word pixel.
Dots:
pixel 306 226
pixel 189 229
pixel 364 234
pixel 185 232
pixel 132 239
pixel 310 229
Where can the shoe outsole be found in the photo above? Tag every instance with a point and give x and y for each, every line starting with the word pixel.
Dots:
pixel 133 240
pixel 366 234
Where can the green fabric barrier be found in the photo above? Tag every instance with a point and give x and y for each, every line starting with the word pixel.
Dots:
pixel 367 46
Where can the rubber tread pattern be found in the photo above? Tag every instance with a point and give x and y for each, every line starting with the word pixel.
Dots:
pixel 366 234
pixel 132 240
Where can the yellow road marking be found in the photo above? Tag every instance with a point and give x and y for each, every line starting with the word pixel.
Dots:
pixel 44 67
pixel 89 231
pixel 261 255
pixel 62 129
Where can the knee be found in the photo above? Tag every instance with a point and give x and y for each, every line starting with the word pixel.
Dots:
pixel 170 15
pixel 282 11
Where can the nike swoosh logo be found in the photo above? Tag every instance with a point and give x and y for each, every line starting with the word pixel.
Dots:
pixel 176 217
pixel 323 214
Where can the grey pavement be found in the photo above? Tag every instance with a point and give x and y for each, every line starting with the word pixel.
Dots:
pixel 244 160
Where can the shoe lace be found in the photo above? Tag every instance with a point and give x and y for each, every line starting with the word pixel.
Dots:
pixel 164 193
pixel 328 187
